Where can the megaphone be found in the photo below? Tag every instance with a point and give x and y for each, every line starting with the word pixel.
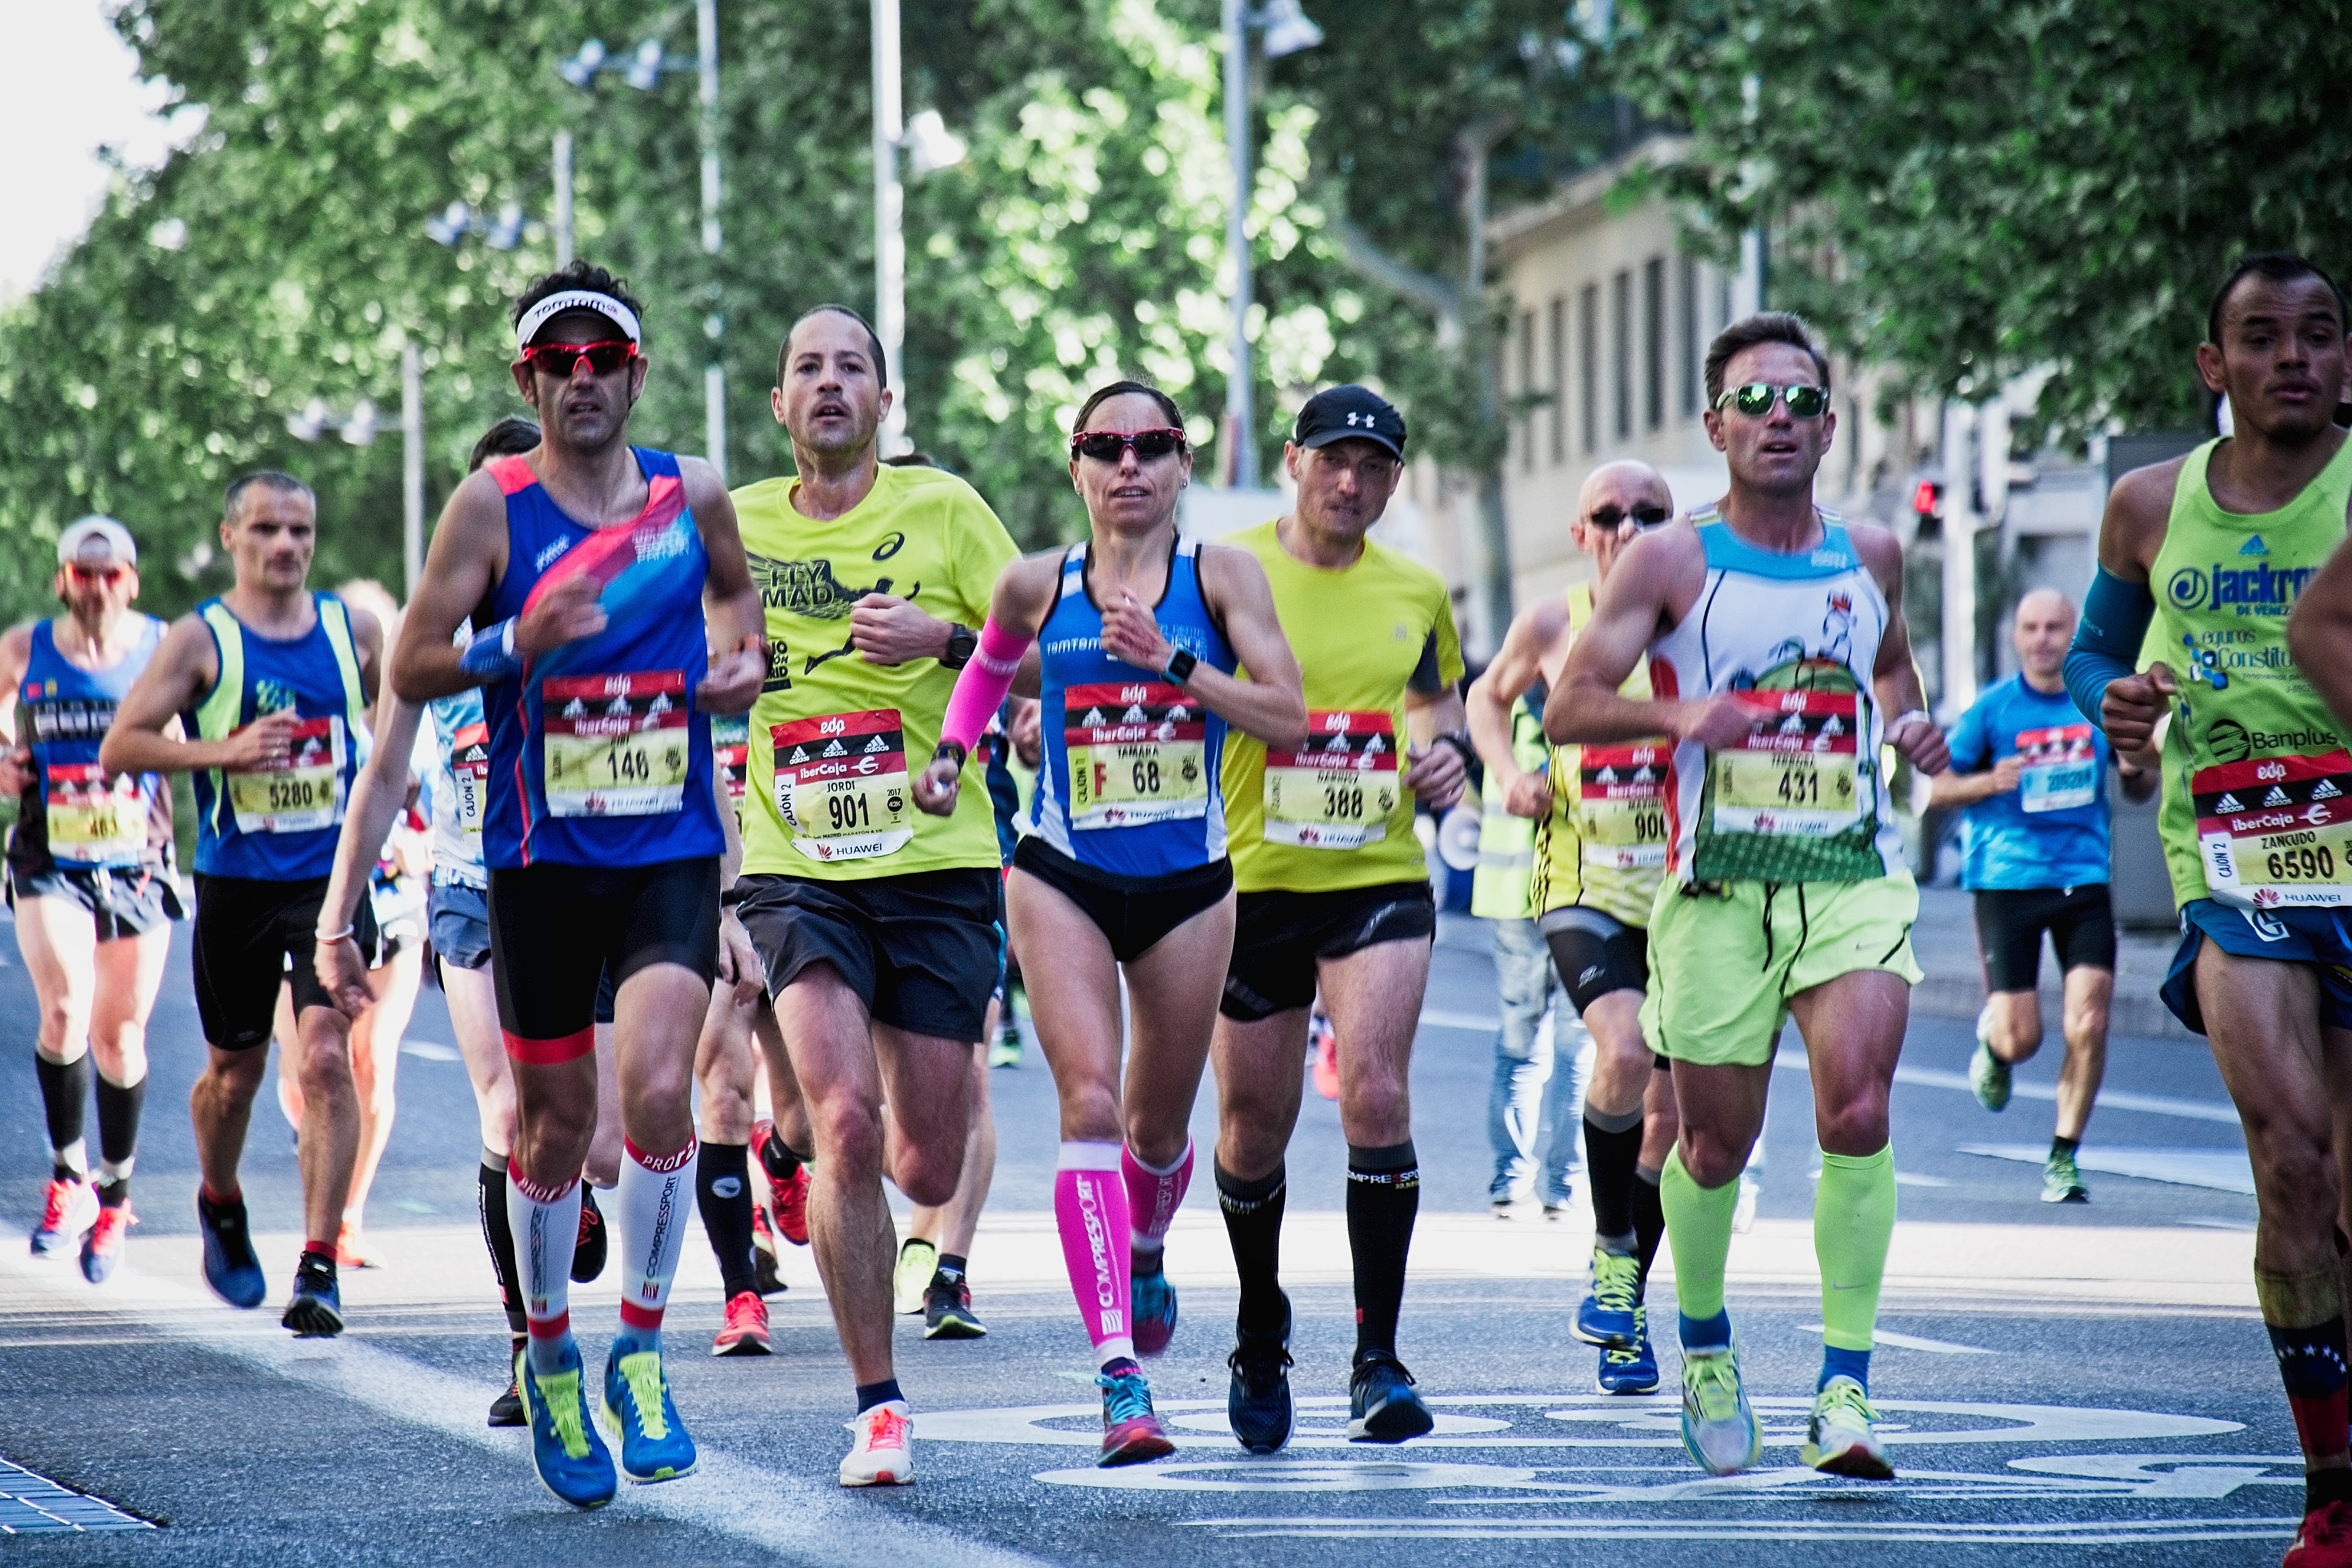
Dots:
pixel 1458 839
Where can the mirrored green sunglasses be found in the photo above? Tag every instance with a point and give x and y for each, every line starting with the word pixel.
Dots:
pixel 1755 400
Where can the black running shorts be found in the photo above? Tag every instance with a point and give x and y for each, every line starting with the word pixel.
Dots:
pixel 2010 922
pixel 920 950
pixel 1132 912
pixel 1279 936
pixel 1595 953
pixel 555 929
pixel 251 936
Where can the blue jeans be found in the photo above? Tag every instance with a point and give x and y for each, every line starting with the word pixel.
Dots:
pixel 1518 1108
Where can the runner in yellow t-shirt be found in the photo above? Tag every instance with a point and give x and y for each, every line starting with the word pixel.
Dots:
pixel 879 925
pixel 1333 890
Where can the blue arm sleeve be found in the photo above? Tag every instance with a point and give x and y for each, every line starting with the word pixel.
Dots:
pixel 2116 615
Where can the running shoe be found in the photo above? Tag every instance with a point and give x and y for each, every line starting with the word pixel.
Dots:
pixel 351 1248
pixel 1153 1305
pixel 882 1453
pixel 2326 1539
pixel 764 1276
pixel 1502 1202
pixel 637 1406
pixel 68 1209
pixel 2062 1183
pixel 315 1311
pixel 1606 1315
pixel 1258 1405
pixel 506 1410
pixel 1989 1077
pixel 947 1312
pixel 1323 1044
pixel 745 1330
pixel 1743 1208
pixel 791 1206
pixel 1131 1433
pixel 1555 1209
pixel 102 1248
pixel 594 1241
pixel 230 1267
pixel 1719 1428
pixel 1381 1404
pixel 1839 1439
pixel 1633 1370
pixel 565 1448
pixel 918 1261
pixel 1004 1051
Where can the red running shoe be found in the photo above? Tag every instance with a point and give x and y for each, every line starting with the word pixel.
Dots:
pixel 1131 1433
pixel 2326 1539
pixel 101 1249
pixel 792 1206
pixel 745 1331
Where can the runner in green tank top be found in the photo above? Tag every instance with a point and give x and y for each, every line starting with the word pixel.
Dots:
pixel 2216 548
pixel 1600 853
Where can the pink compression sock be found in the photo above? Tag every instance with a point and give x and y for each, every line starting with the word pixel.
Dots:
pixel 1090 1209
pixel 1154 1196
pixel 980 690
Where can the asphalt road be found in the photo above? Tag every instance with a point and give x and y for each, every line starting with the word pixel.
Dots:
pixel 2063 1385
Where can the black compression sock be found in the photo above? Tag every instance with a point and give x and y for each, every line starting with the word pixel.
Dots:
pixel 491 1207
pixel 2064 1145
pixel 1383 1198
pixel 950 1267
pixel 722 1188
pixel 1649 1226
pixel 1610 1153
pixel 1253 1212
pixel 118 1119
pixel 65 1091
pixel 2321 1488
pixel 777 1158
pixel 870 1394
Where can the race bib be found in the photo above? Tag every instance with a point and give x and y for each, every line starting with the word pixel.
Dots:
pixel 301 792
pixel 730 748
pixel 2276 831
pixel 1336 792
pixel 841 784
pixel 470 765
pixel 2061 768
pixel 1136 754
pixel 1622 809
pixel 615 745
pixel 94 820
pixel 1793 776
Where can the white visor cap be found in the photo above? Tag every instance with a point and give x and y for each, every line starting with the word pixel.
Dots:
pixel 554 305
pixel 96 539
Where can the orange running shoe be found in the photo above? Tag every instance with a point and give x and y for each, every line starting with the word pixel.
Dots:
pixel 745 1331
pixel 349 1250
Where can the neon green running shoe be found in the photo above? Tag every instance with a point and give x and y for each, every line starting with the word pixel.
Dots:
pixel 1988 1075
pixel 2061 1182
pixel 1719 1428
pixel 918 1261
pixel 1839 1439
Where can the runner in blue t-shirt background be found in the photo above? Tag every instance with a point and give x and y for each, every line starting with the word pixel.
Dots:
pixel 2033 776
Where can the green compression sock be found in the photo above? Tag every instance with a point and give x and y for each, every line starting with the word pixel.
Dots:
pixel 1854 1217
pixel 1698 1227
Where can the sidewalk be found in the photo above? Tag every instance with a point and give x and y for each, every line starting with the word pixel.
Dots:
pixel 1945 941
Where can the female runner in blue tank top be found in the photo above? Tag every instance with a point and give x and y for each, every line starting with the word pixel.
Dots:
pixel 1125 862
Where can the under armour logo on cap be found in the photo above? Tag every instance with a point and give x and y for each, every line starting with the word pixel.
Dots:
pixel 1340 413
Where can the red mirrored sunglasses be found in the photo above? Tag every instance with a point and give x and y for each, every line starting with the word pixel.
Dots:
pixel 109 576
pixel 562 359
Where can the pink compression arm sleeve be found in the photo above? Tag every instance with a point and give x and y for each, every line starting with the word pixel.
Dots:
pixel 980 690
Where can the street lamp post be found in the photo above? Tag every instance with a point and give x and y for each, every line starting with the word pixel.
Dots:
pixel 929 146
pixel 1288 31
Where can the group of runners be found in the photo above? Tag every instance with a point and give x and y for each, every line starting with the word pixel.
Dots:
pixel 696 773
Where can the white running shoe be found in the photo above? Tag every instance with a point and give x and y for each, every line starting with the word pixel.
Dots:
pixel 884 1453
pixel 1840 1438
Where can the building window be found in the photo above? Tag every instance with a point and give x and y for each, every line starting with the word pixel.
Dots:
pixel 1686 312
pixel 1556 347
pixel 1588 366
pixel 1621 355
pixel 1527 390
pixel 1654 343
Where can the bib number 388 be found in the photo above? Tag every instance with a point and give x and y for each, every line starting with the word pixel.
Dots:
pixel 841 784
pixel 1337 790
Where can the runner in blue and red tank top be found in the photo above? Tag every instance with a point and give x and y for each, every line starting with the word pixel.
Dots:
pixel 591 568
pixel 1141 633
pixel 91 879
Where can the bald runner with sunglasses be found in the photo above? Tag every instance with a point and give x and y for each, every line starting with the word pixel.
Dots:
pixel 1777 652
pixel 1599 854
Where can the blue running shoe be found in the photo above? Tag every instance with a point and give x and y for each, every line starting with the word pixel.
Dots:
pixel 1605 1316
pixel 1719 1428
pixel 1258 1405
pixel 565 1450
pixel 1132 1431
pixel 1154 1306
pixel 230 1267
pixel 68 1209
pixel 1633 1371
pixel 316 1309
pixel 655 1446
pixel 1381 1404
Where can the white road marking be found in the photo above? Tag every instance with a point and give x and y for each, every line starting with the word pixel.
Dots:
pixel 2113 1533
pixel 1440 1019
pixel 728 1495
pixel 2223 1170
pixel 431 1050
pixel 2217 1110
pixel 1910 1341
pixel 1902 1178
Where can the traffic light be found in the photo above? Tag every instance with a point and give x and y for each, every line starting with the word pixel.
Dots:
pixel 1927 508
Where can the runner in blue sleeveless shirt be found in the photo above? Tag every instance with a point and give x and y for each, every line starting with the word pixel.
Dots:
pixel 598 575
pixel 273 683
pixel 1141 633
pixel 91 879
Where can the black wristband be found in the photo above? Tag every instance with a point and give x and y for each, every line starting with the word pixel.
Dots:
pixel 731 896
pixel 1181 665
pixel 951 751
pixel 962 642
pixel 1461 746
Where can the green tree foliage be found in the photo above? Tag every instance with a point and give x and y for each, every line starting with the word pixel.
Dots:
pixel 1967 191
